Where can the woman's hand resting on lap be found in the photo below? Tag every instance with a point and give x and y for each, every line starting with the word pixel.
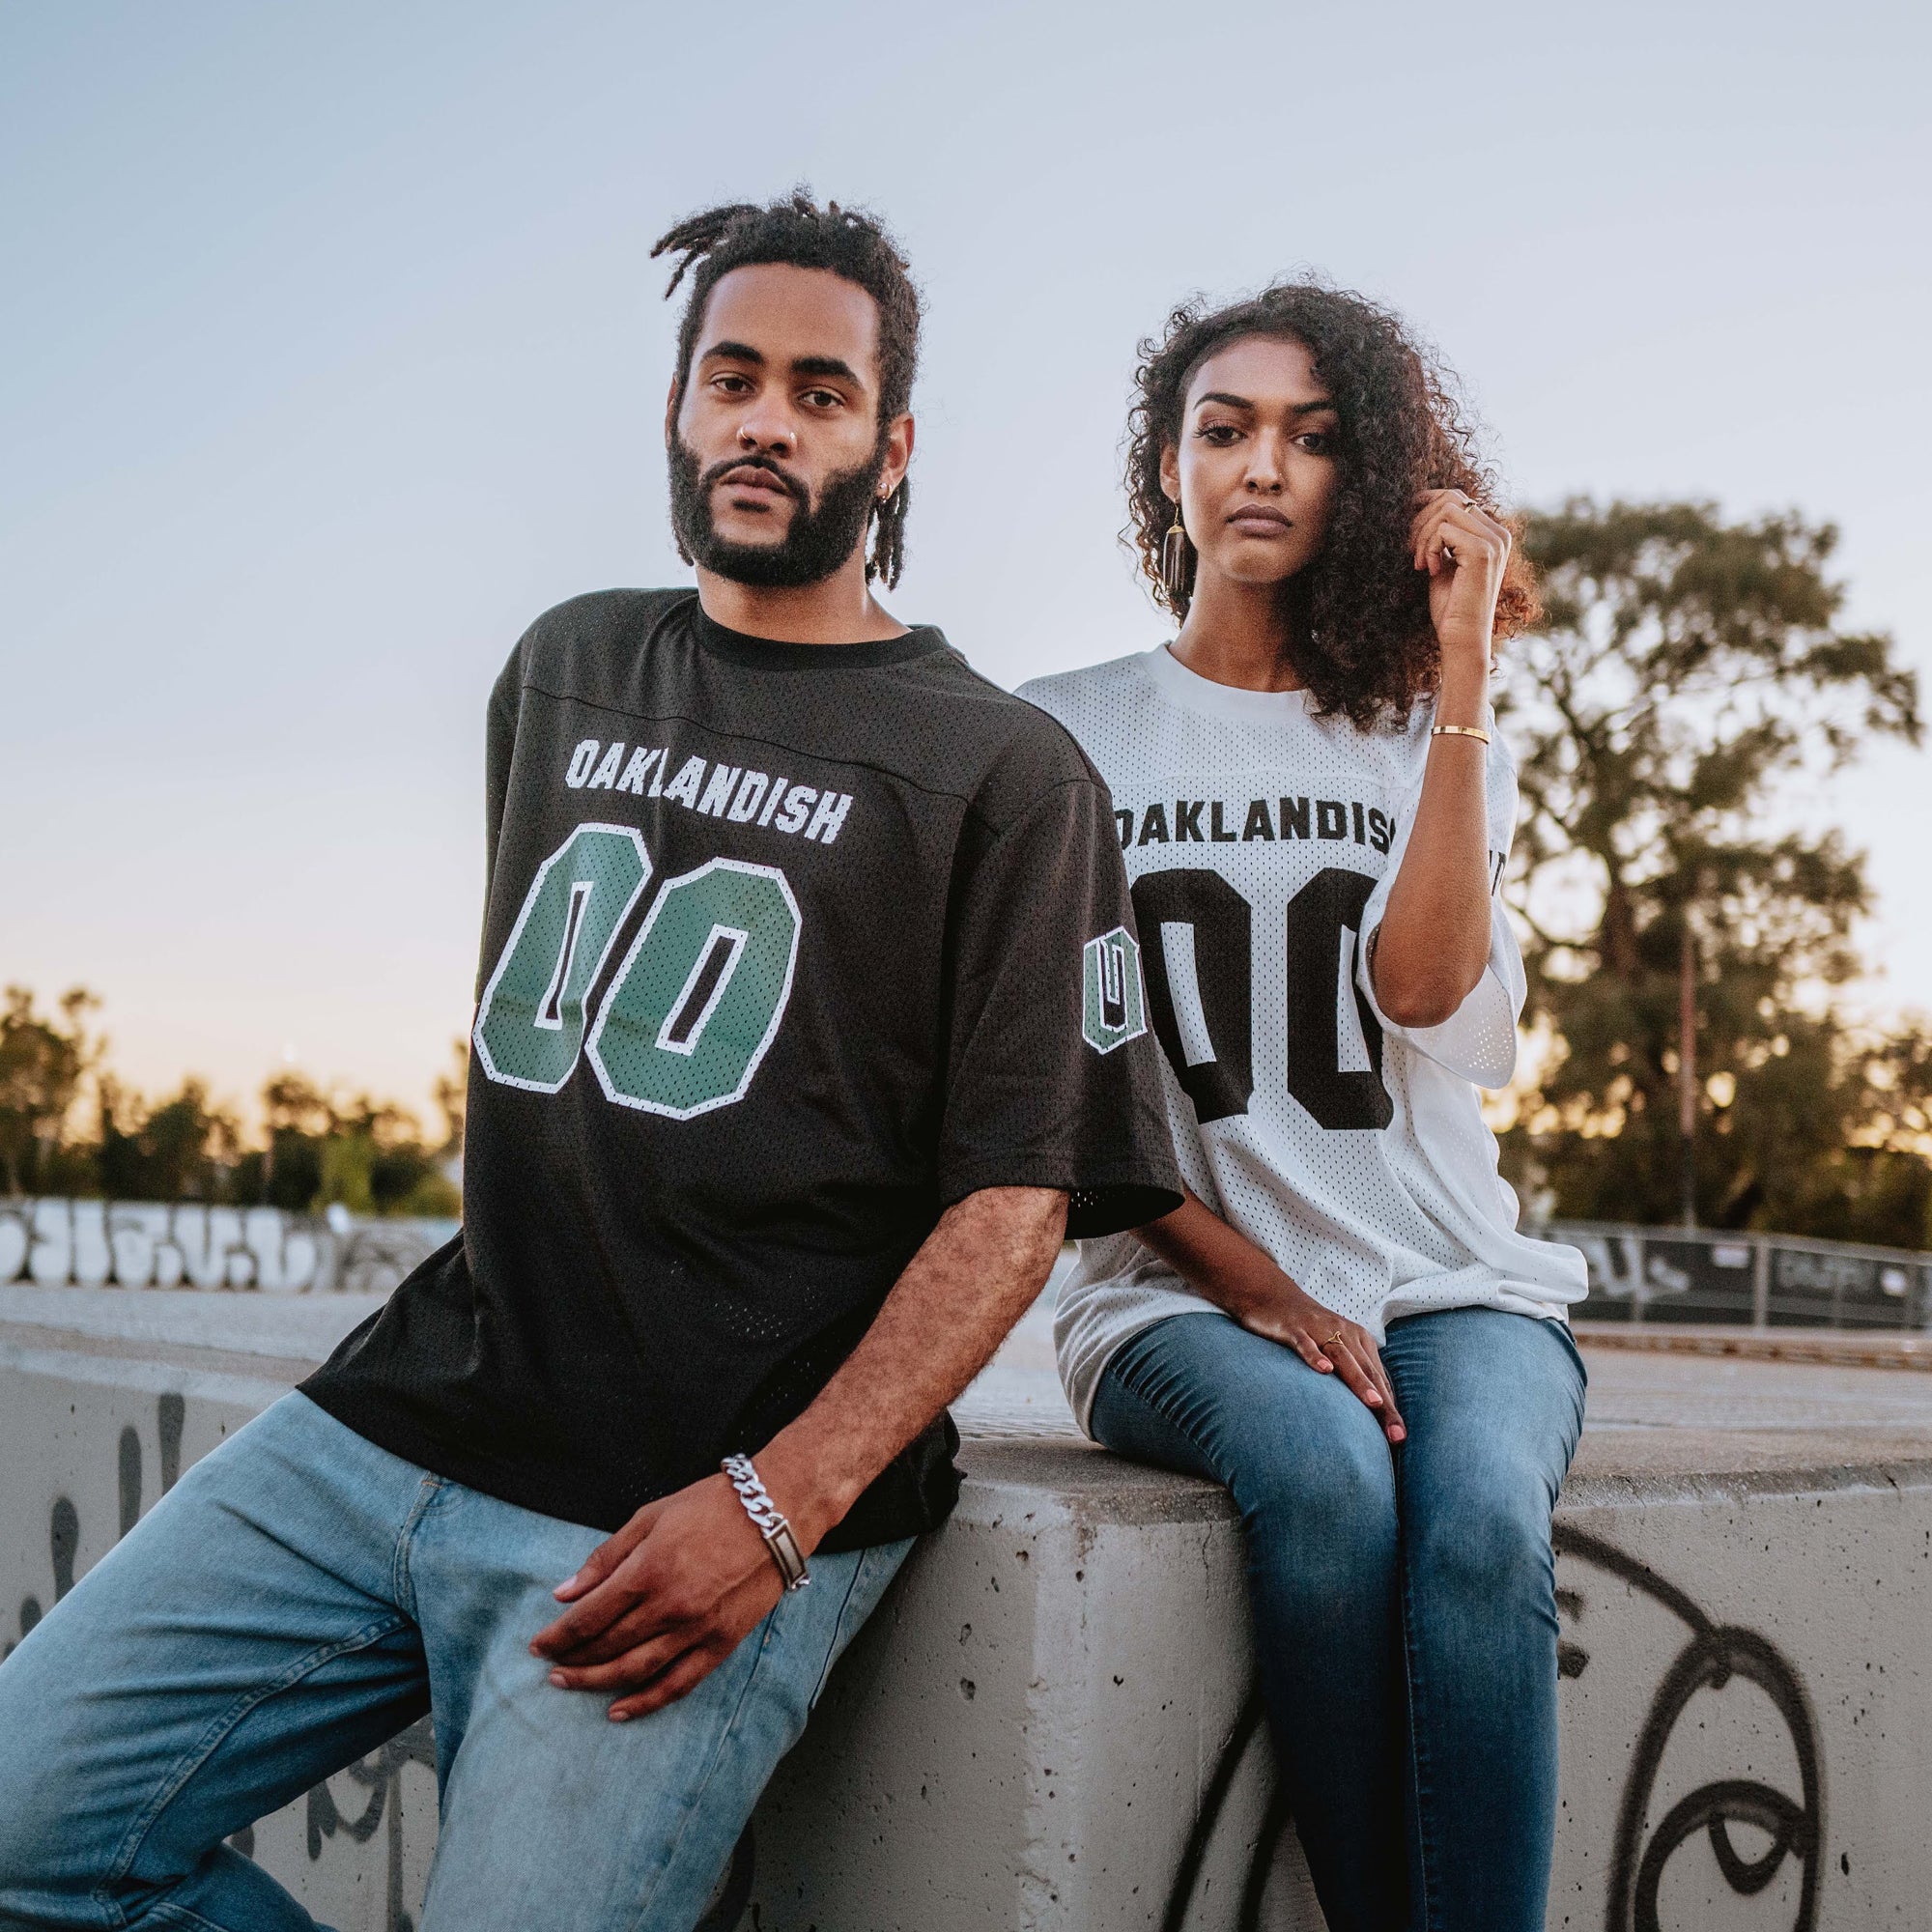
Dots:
pixel 1284 1312
pixel 1233 1273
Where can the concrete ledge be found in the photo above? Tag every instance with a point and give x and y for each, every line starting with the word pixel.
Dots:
pixel 1051 1722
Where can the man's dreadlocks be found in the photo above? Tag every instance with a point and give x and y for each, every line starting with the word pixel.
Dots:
pixel 801 233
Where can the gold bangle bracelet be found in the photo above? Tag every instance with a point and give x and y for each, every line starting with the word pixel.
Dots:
pixel 1459 731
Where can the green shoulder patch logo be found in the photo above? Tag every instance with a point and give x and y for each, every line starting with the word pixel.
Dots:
pixel 1114 1005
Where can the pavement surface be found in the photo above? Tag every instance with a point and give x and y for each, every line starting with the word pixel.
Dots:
pixel 1655 1411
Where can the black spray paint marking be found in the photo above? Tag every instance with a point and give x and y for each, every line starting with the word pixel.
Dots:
pixel 64 1544
pixel 733 1890
pixel 1181 1894
pixel 1715 1654
pixel 170 1418
pixel 380 1776
pixel 130 1478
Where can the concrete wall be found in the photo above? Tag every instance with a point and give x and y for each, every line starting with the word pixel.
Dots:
pixel 1051 1722
pixel 58 1243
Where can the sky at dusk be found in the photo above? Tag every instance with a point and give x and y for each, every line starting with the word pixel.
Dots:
pixel 332 356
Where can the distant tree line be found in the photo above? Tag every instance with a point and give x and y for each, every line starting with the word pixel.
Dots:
pixel 69 1127
pixel 1678 720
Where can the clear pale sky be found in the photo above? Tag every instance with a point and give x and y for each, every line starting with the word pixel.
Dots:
pixel 329 356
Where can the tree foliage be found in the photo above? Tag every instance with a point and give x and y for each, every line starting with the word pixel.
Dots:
pixel 315 1149
pixel 44 1062
pixel 1677 719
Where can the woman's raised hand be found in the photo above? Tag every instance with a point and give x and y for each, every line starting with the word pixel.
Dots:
pixel 1330 1346
pixel 1465 551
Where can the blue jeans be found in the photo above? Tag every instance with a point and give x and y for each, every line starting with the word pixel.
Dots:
pixel 1405 1605
pixel 300 1597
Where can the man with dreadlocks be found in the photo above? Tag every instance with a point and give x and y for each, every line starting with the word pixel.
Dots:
pixel 810 1018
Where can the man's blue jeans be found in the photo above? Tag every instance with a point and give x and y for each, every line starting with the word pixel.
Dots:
pixel 300 1596
pixel 1404 1606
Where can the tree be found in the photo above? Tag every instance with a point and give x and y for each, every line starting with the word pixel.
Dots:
pixel 42 1065
pixel 1691 676
pixel 184 1149
pixel 365 1155
pixel 451 1091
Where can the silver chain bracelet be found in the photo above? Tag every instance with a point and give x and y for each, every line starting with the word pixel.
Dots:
pixel 768 1522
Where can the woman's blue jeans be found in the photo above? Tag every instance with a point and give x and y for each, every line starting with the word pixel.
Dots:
pixel 1404 1604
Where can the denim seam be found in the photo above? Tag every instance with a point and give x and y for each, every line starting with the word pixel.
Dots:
pixel 1418 1755
pixel 402 1586
pixel 695 1797
pixel 832 1648
pixel 179 1915
pixel 218 1729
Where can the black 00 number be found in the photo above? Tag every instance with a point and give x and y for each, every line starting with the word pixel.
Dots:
pixel 1196 943
pixel 1197 953
pixel 1317 968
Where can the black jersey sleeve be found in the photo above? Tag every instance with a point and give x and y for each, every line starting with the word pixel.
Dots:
pixel 1052 1078
pixel 500 749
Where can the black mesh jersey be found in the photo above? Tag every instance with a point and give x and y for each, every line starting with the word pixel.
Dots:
pixel 789 947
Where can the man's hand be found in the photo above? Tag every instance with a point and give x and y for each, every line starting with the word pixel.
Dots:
pixel 659 1606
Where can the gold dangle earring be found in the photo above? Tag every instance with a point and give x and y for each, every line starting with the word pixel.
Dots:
pixel 1173 558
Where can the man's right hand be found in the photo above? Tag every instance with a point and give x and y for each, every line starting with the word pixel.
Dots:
pixel 662 1603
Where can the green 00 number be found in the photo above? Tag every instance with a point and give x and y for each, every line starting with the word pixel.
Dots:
pixel 529 1026
pixel 699 996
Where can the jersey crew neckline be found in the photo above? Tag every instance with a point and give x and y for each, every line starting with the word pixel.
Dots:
pixel 755 653
pixel 1208 697
pixel 773 970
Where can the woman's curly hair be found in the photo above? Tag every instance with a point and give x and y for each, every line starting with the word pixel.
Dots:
pixel 1360 634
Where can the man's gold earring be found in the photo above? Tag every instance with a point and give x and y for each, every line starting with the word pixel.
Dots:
pixel 1175 561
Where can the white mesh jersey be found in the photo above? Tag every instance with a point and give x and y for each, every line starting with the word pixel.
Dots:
pixel 1262 841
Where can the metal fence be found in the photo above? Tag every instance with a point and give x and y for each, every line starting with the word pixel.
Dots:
pixel 1749 1281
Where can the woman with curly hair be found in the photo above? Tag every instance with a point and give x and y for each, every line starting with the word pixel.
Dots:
pixel 1342 1323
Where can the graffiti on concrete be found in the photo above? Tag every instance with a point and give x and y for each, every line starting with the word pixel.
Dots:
pixel 1213 1801
pixel 733 1891
pixel 380 1776
pixel 64 1520
pixel 150 1244
pixel 1713 1656
pixel 1686 1274
pixel 55 1243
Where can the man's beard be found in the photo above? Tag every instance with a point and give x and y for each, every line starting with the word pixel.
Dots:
pixel 816 541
